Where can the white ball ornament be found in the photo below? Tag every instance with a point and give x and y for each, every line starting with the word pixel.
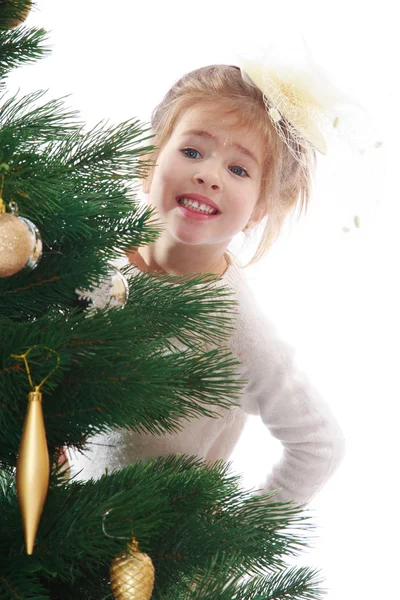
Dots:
pixel 112 291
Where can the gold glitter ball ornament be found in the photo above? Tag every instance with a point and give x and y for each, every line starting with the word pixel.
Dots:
pixel 132 574
pixel 20 244
pixel 15 244
pixel 17 14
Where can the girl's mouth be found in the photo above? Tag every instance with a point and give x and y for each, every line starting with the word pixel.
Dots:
pixel 196 210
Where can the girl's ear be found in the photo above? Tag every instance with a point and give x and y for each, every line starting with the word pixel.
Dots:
pixel 147 180
pixel 146 185
pixel 248 226
pixel 146 172
pixel 258 214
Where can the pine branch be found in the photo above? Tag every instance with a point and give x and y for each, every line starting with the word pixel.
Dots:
pixel 200 307
pixel 105 151
pixel 227 582
pixel 19 47
pixel 24 125
pixel 129 373
pixel 15 584
pixel 184 513
pixel 291 584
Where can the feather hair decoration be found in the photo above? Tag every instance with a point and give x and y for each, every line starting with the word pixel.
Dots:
pixel 305 107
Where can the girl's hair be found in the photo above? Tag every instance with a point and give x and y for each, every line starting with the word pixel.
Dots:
pixel 286 184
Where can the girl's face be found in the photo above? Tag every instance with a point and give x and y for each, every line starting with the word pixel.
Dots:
pixel 209 161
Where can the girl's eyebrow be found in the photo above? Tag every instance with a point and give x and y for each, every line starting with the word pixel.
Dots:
pixel 204 133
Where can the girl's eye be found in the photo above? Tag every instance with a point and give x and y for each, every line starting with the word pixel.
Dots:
pixel 243 172
pixel 189 152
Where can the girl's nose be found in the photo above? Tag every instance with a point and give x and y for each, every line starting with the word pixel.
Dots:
pixel 208 179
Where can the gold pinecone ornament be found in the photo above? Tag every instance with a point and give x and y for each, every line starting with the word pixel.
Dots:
pixel 132 574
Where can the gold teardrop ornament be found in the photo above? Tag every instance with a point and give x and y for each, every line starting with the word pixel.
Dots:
pixel 132 574
pixel 33 469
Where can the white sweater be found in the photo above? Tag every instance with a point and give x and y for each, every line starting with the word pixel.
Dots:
pixel 291 409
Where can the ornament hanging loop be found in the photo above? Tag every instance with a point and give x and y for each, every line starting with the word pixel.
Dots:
pixel 13 207
pixel 28 371
pixel 116 537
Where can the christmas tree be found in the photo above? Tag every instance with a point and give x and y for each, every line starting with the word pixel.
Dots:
pixel 83 351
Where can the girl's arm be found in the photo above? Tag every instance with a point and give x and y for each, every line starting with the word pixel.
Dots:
pixel 290 407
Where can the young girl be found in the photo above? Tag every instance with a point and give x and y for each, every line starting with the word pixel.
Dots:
pixel 221 168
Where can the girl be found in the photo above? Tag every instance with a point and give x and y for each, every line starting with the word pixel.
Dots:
pixel 222 167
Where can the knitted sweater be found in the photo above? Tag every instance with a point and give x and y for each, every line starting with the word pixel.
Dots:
pixel 282 397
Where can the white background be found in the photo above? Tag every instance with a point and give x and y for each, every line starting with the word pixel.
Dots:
pixel 333 294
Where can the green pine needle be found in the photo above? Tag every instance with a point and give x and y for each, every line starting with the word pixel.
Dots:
pixel 19 47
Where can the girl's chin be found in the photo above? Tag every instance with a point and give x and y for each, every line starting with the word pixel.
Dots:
pixel 183 237
pixel 194 233
pixel 189 240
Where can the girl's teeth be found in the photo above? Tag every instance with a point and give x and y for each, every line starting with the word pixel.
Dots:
pixel 194 204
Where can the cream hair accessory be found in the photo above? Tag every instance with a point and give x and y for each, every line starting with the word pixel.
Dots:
pixel 304 105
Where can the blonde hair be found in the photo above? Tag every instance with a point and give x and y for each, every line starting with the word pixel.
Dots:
pixel 286 184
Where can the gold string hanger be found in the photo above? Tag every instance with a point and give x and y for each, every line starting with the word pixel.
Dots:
pixel 36 388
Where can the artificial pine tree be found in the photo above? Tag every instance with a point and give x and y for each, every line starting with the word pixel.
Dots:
pixel 69 208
